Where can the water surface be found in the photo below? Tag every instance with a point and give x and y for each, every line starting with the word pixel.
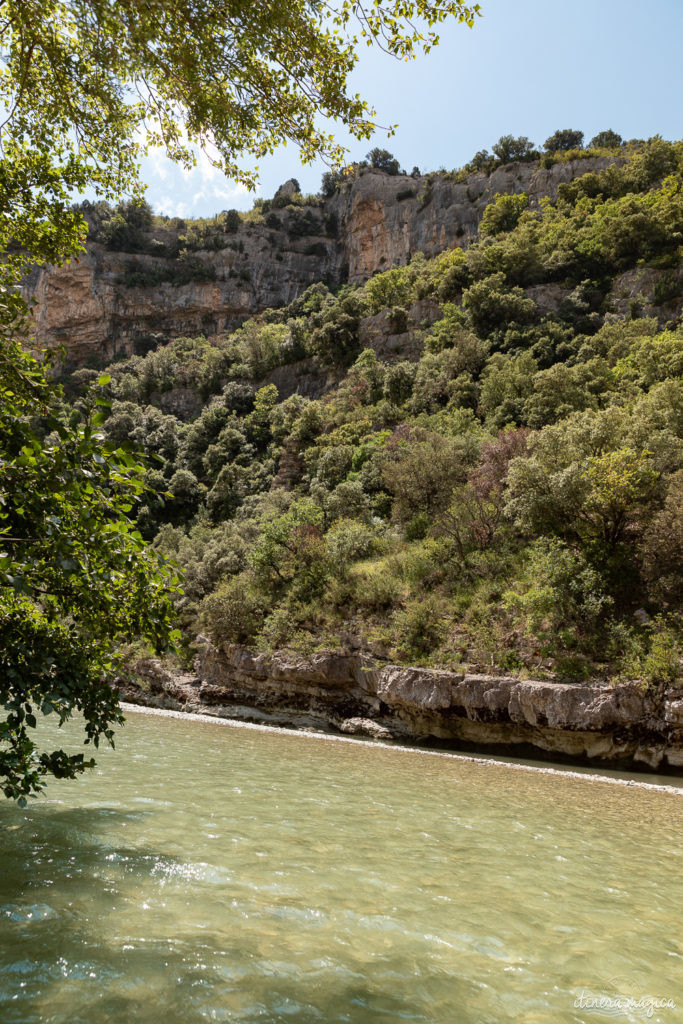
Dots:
pixel 205 873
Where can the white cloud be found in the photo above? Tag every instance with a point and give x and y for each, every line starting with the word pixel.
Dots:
pixel 201 190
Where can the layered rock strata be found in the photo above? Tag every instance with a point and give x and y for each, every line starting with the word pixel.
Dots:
pixel 100 306
pixel 622 724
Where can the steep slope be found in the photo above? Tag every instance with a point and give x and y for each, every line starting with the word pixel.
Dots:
pixel 460 483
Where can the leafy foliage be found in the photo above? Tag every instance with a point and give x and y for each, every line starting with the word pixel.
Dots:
pixel 563 139
pixel 502 492
pixel 75 576
pixel 86 88
pixel 383 160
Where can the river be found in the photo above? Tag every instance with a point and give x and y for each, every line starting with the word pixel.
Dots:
pixel 210 873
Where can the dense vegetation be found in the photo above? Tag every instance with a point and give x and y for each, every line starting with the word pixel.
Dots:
pixel 87 88
pixel 510 498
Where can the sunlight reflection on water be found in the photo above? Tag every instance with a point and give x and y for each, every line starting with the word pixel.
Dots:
pixel 213 874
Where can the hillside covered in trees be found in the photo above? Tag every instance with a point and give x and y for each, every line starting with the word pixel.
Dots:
pixel 473 460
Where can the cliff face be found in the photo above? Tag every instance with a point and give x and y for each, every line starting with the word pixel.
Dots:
pixel 88 307
pixel 112 302
pixel 346 693
pixel 384 220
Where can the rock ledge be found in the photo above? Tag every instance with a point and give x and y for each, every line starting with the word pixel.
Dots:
pixel 594 722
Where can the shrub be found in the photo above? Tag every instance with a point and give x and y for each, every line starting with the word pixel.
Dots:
pixel 503 214
pixel 234 613
pixel 334 464
pixel 661 548
pixel 481 161
pixel 564 139
pixel 493 306
pixel 419 628
pixel 506 384
pixel 589 480
pixel 561 598
pixel 336 339
pixel 376 590
pixel 126 228
pixel 392 288
pixel 348 541
pixel 398 382
pixel 259 346
pixel 331 181
pixel 279 628
pixel 655 654
pixel 420 469
pixel 186 493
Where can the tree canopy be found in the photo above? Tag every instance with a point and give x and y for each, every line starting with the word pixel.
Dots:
pixel 75 577
pixel 504 497
pixel 90 83
pixel 87 86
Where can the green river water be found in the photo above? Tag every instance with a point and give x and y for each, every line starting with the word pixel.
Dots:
pixel 207 873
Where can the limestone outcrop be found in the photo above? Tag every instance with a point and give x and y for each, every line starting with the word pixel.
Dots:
pixel 384 219
pixel 88 307
pixel 113 302
pixel 596 722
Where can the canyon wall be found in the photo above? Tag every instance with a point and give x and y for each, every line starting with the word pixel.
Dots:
pixel 111 302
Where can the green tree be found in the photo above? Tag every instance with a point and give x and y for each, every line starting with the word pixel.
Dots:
pixel 595 479
pixel 88 85
pixel 421 469
pixel 75 577
pixel 383 160
pixel 606 140
pixel 563 139
pixel 509 148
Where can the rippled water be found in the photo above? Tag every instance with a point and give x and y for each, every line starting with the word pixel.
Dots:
pixel 206 873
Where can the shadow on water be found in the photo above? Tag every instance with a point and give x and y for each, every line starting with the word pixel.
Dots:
pixel 69 877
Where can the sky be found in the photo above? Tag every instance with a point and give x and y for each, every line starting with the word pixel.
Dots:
pixel 528 67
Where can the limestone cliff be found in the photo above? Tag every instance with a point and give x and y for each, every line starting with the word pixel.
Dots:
pixel 91 307
pixel 114 302
pixel 596 722
pixel 383 220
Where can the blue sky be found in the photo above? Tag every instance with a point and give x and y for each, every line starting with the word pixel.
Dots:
pixel 528 67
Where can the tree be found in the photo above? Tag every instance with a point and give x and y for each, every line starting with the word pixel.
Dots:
pixel 330 183
pixel 383 160
pixel 563 139
pixel 481 161
pixel 86 87
pixel 509 148
pixel 232 221
pixel 606 140
pixel 594 479
pixel 421 469
pixel 82 79
pixel 75 577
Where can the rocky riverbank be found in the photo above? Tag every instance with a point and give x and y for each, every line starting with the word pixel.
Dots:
pixel 588 722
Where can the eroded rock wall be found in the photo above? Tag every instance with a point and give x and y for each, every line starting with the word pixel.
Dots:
pixel 383 220
pixel 584 722
pixel 87 307
pixel 373 223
